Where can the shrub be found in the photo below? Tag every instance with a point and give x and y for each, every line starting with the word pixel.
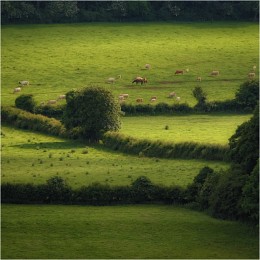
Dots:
pixel 25 102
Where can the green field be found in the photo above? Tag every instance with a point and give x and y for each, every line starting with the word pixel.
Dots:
pixel 209 129
pixel 58 58
pixel 121 232
pixel 34 158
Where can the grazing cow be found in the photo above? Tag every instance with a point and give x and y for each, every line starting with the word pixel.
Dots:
pixel 251 75
pixel 52 102
pixel 178 98
pixel 124 95
pixel 121 98
pixel 172 94
pixel 153 99
pixel 17 90
pixel 214 73
pixel 179 72
pixel 198 78
pixel 24 83
pixel 147 66
pixel 62 97
pixel 139 100
pixel 140 80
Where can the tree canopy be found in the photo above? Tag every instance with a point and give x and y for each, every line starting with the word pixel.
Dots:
pixel 92 110
pixel 107 11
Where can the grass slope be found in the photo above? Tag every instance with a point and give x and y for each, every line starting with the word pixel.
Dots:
pixel 122 232
pixel 33 157
pixel 211 129
pixel 57 58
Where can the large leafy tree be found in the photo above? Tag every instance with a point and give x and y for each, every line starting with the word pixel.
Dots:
pixel 92 111
pixel 244 144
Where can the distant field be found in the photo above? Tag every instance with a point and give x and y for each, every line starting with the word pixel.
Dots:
pixel 57 58
pixel 33 157
pixel 212 129
pixel 121 232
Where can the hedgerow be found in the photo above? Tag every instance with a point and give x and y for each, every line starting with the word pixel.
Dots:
pixel 187 150
pixel 27 120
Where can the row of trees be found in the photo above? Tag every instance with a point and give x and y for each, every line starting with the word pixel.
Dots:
pixel 96 11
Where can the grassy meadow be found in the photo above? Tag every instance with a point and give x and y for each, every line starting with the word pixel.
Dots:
pixel 208 129
pixel 58 58
pixel 29 157
pixel 142 231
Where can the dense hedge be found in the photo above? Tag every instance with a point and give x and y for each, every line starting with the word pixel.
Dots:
pixel 50 111
pixel 142 190
pixel 27 120
pixel 187 150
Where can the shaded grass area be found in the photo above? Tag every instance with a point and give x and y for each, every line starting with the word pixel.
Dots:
pixel 57 58
pixel 206 129
pixel 121 232
pixel 29 157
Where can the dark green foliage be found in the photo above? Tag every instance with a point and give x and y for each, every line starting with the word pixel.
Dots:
pixel 158 109
pixel 247 95
pixel 193 189
pixel 149 148
pixel 244 144
pixel 50 111
pixel 225 200
pixel 58 190
pixel 25 102
pixel 105 11
pixel 201 98
pixel 27 120
pixel 94 110
pixel 250 196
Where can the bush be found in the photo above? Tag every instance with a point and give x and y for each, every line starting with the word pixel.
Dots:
pixel 25 102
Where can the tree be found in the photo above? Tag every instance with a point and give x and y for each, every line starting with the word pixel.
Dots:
pixel 93 110
pixel 248 94
pixel 244 144
pixel 201 98
pixel 25 102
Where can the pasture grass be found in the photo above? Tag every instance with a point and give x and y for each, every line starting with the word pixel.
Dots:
pixel 56 58
pixel 29 157
pixel 121 232
pixel 207 129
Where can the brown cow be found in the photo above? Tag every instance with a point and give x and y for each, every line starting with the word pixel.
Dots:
pixel 140 80
pixel 139 100
pixel 179 72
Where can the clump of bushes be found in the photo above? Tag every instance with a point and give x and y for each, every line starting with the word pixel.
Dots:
pixel 25 102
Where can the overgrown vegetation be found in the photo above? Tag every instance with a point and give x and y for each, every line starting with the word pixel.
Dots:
pixel 26 102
